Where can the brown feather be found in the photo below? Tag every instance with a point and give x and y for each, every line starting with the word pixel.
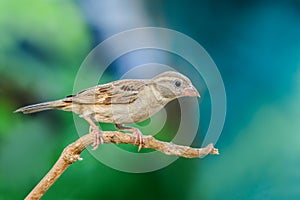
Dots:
pixel 118 92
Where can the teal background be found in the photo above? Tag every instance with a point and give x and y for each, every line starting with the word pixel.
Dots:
pixel 256 46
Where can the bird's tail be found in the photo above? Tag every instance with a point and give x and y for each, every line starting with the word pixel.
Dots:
pixel 59 104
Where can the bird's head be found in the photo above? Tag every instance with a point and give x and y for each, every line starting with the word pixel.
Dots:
pixel 172 85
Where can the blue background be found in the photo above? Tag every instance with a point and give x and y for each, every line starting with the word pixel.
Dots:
pixel 256 46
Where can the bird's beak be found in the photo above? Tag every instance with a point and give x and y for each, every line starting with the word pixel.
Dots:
pixel 191 92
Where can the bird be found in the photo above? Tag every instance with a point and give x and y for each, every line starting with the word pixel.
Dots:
pixel 120 102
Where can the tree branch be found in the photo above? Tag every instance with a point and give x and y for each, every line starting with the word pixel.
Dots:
pixel 72 152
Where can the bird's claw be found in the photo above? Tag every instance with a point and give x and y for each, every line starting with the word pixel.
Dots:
pixel 139 139
pixel 98 137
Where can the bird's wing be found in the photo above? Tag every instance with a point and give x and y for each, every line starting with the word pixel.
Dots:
pixel 118 92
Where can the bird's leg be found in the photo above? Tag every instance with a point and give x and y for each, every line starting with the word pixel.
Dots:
pixel 139 139
pixel 98 133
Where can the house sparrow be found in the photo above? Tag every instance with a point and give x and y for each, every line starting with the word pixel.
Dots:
pixel 122 102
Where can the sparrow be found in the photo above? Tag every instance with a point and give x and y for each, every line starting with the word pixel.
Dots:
pixel 122 102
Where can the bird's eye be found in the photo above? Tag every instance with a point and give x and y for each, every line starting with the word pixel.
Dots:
pixel 177 83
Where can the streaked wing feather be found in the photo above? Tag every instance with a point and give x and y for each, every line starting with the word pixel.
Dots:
pixel 118 92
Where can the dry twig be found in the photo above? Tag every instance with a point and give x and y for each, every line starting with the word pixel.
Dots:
pixel 72 152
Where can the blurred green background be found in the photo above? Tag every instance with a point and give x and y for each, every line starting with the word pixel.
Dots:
pixel 256 46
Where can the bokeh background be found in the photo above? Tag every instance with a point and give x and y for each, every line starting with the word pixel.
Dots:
pixel 256 46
